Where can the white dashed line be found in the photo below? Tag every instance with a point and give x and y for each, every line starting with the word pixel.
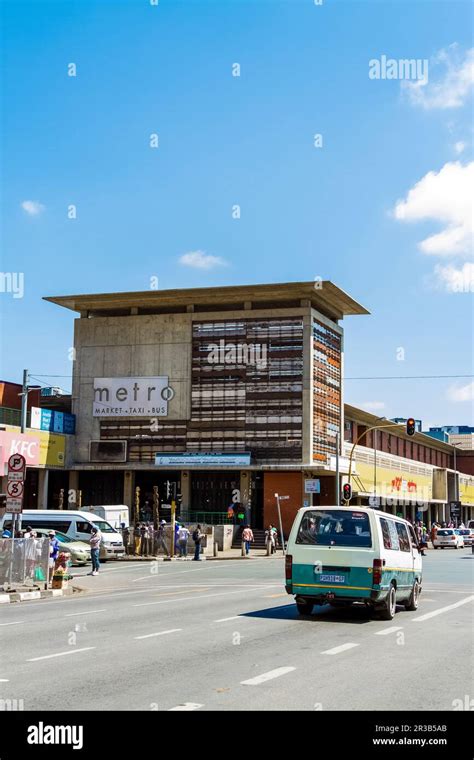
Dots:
pixel 4 680
pixel 342 648
pixel 59 654
pixel 14 622
pixel 224 620
pixel 186 707
pixel 159 633
pixel 442 609
pixel 388 630
pixel 267 676
pixel 88 612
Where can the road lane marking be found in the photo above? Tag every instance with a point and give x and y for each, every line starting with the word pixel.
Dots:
pixel 442 610
pixel 341 648
pixel 87 612
pixel 186 707
pixel 59 654
pixel 4 680
pixel 159 633
pixel 275 596
pixel 224 620
pixel 14 622
pixel 193 598
pixel 388 630
pixel 267 676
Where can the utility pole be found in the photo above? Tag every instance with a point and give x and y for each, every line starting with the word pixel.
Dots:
pixel 338 485
pixel 24 400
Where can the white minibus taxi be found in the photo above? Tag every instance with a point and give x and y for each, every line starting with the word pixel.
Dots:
pixel 75 524
pixel 341 555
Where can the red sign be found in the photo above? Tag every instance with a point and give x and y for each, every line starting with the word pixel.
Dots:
pixel 15 489
pixel 16 463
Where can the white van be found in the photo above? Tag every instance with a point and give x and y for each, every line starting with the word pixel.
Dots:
pixel 114 514
pixel 75 524
pixel 341 555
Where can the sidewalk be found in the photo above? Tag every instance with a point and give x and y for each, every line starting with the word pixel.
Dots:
pixel 227 554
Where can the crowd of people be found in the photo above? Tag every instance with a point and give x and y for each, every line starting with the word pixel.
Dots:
pixel 145 540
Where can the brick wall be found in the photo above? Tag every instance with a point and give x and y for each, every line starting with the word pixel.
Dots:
pixel 286 484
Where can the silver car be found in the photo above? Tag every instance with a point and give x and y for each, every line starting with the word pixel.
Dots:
pixel 80 552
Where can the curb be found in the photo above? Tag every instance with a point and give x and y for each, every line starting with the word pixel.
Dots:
pixel 26 596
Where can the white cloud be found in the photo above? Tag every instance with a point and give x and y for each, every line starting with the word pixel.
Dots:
pixel 458 393
pixel 33 208
pixel 456 279
pixel 201 260
pixel 447 197
pixel 451 88
pixel 373 406
pixel 459 146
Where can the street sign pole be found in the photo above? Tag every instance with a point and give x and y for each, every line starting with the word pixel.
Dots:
pixel 278 498
pixel 15 491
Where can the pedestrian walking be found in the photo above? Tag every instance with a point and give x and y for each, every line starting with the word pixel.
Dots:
pixel 247 538
pixel 176 540
pixel 183 535
pixel 197 538
pixel 160 539
pixel 53 552
pixel 95 541
pixel 144 535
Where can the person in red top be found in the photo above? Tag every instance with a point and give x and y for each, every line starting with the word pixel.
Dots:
pixel 247 538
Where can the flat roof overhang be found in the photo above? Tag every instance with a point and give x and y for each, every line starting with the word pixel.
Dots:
pixel 323 296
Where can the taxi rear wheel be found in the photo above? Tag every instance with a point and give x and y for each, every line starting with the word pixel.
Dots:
pixel 387 612
pixel 304 608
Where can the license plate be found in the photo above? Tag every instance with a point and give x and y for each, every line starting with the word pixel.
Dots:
pixel 332 578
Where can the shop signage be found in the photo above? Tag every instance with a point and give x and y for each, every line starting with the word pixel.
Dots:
pixel 53 422
pixel 207 459
pixel 131 396
pixel 312 486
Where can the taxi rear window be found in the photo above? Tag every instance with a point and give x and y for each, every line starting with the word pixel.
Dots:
pixel 334 527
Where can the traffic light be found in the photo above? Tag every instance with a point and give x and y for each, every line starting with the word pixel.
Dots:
pixel 347 491
pixel 168 490
pixel 410 426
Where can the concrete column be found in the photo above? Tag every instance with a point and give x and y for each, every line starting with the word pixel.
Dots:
pixel 73 488
pixel 128 483
pixel 245 491
pixel 43 481
pixel 185 493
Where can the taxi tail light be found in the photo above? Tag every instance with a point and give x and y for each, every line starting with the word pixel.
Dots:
pixel 288 567
pixel 377 571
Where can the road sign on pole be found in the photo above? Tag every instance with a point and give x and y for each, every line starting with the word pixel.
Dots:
pixel 15 484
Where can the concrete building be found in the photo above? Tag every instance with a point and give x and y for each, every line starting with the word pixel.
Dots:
pixel 410 476
pixel 233 394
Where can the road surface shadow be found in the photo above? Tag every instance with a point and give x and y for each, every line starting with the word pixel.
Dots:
pixel 356 614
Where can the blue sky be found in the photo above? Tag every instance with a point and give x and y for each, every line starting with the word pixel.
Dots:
pixel 248 140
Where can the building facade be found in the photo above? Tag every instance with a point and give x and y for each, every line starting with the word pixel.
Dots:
pixel 233 395
pixel 228 392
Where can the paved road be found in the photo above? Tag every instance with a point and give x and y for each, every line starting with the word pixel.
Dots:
pixel 224 635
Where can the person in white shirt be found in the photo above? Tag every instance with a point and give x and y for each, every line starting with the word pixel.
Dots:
pixel 183 535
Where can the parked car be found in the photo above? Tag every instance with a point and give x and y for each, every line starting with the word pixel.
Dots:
pixel 80 552
pixel 468 535
pixel 450 537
